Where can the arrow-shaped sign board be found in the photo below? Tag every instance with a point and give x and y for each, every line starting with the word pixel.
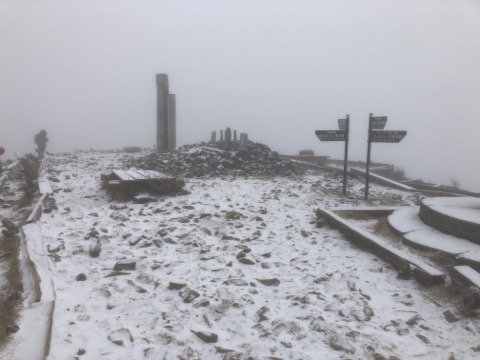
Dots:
pixel 387 136
pixel 342 124
pixel 330 135
pixel 378 122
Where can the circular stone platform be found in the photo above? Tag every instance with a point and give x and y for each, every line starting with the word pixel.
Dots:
pixel 459 216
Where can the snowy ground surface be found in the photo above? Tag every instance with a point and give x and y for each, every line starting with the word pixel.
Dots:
pixel 261 281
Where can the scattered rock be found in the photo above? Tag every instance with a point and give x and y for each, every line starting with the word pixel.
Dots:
pixel 207 337
pixel 450 317
pixel 246 261
pixel 339 344
pixel 269 282
pixel 261 313
pixel 176 285
pixel 414 320
pixel 56 247
pixel 405 273
pixel 318 324
pixel 81 277
pixel 188 295
pixel 11 329
pixel 125 265
pixel 236 282
pixel 471 299
pixel 133 242
pixel 423 338
pixel 95 248
pixel 120 337
pixel 368 313
pixel 234 215
pixel 10 226
pixel 201 303
pixel 227 237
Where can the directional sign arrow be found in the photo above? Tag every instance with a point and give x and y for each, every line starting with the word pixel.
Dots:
pixel 378 122
pixel 342 124
pixel 387 136
pixel 331 135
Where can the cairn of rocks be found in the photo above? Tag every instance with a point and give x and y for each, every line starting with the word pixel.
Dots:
pixel 224 157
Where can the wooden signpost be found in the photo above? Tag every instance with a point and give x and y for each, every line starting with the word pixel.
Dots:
pixel 338 135
pixel 376 124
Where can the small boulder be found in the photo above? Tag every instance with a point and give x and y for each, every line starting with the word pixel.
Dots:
pixel 81 277
pixel 125 265
pixel 95 248
pixel 207 337
pixel 176 285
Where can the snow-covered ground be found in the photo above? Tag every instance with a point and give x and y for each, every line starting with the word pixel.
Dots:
pixel 260 280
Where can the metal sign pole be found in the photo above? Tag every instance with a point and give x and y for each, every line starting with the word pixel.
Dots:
pixel 367 170
pixel 345 161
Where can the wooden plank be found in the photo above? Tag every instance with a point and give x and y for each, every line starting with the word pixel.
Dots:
pixel 139 175
pixel 151 174
pixel 122 175
pixel 135 175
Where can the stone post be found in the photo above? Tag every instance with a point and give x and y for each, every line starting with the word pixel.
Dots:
pixel 228 138
pixel 243 141
pixel 171 123
pixel 162 111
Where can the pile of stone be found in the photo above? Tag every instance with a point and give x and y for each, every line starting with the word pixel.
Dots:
pixel 210 160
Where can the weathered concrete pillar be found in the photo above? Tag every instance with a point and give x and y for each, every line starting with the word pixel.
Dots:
pixel 243 141
pixel 162 111
pixel 228 138
pixel 171 123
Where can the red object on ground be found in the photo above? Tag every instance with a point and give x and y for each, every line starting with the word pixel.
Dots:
pixel 306 153
pixel 2 150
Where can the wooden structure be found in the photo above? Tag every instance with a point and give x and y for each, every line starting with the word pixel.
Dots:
pixel 125 184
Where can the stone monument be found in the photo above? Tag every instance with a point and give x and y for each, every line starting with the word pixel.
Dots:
pixel 166 115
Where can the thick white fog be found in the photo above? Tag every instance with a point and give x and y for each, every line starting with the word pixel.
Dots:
pixel 278 70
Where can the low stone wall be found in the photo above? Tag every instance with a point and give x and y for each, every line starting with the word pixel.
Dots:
pixel 32 341
pixel 425 274
pixel 448 224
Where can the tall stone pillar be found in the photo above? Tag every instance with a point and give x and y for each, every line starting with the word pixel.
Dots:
pixel 171 123
pixel 162 112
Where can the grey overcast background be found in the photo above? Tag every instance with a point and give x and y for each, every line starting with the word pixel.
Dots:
pixel 278 70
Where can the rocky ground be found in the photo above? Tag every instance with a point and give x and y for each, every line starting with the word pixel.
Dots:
pixel 236 269
pixel 206 160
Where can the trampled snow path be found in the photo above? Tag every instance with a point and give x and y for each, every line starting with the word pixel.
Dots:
pixel 306 293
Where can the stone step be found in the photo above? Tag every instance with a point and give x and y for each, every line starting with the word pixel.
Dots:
pixel 424 273
pixel 458 216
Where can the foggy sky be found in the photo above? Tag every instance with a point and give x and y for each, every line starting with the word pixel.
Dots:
pixel 278 70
